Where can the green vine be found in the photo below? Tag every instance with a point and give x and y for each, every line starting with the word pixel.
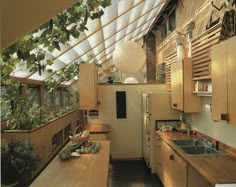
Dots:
pixel 58 30
pixel 66 74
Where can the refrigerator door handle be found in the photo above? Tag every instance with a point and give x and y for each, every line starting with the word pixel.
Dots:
pixel 146 125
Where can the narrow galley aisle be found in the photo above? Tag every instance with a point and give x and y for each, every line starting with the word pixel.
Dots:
pixel 132 174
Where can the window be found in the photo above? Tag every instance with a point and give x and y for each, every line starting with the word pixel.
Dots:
pixel 66 96
pixel 48 98
pixel 168 24
pixel 5 103
pixel 33 94
pixel 58 97
pixel 172 21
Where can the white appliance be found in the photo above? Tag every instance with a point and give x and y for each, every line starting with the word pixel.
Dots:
pixel 156 106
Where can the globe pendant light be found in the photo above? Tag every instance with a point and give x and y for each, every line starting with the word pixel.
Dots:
pixel 128 57
pixel 130 80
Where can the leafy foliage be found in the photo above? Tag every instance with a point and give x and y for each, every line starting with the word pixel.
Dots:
pixel 18 158
pixel 58 30
pixel 20 113
pixel 63 75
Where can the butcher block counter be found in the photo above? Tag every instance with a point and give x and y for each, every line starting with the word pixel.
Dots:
pixel 215 168
pixel 86 171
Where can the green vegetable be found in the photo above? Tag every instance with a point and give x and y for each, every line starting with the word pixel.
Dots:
pixel 74 146
pixel 65 153
pixel 94 148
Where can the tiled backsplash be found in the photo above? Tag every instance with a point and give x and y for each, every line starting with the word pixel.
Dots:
pixel 202 122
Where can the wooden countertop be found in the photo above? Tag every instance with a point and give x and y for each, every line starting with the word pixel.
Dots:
pixel 85 171
pixel 98 128
pixel 215 168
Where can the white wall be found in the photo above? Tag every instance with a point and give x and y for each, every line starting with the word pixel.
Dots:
pixel 125 134
pixel 203 122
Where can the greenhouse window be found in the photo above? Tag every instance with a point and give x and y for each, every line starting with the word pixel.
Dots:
pixel 58 97
pixel 48 98
pixel 33 94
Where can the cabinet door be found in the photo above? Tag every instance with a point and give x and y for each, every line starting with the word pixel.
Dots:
pixel 166 172
pixel 179 170
pixel 196 180
pixel 88 87
pixel 191 102
pixel 219 81
pixel 158 155
pixel 231 80
pixel 177 85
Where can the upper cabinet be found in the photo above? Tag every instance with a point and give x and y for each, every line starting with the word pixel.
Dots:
pixel 223 81
pixel 88 87
pixel 182 97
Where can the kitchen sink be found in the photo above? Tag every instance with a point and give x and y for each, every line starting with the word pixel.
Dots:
pixel 196 147
pixel 200 150
pixel 188 142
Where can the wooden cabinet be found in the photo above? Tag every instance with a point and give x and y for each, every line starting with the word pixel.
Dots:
pixel 88 87
pixel 182 86
pixel 158 155
pixel 195 179
pixel 173 168
pixel 223 81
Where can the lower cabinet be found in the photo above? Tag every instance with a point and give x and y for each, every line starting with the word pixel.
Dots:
pixel 173 168
pixel 158 155
pixel 195 179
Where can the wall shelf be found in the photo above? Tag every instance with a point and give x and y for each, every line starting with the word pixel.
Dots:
pixel 203 93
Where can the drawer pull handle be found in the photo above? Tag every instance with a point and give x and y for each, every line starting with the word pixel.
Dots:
pixel 172 157
pixel 225 117
pixel 175 105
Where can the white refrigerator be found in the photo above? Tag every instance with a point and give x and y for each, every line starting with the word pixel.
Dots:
pixel 155 106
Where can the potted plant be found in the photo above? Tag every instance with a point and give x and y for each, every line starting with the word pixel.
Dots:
pixel 18 161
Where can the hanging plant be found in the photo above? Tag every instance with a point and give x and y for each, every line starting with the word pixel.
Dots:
pixel 63 75
pixel 58 30
pixel 68 73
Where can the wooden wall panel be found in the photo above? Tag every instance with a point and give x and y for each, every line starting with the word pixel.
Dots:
pixel 197 11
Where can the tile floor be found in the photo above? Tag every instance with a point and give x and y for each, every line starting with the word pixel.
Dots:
pixel 133 173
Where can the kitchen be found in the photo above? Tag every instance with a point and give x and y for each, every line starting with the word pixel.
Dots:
pixel 125 134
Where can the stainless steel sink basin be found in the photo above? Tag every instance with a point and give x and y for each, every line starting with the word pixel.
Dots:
pixel 200 150
pixel 188 142
pixel 196 147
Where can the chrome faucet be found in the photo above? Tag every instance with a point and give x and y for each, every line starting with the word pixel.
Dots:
pixel 207 141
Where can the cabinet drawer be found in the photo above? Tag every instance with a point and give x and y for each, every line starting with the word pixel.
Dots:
pixel 94 137
pixel 158 141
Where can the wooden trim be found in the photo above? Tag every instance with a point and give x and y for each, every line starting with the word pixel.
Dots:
pixel 39 127
pixel 208 77
pixel 201 49
pixel 202 60
pixel 206 32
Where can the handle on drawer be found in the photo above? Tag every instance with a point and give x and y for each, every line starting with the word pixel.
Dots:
pixel 225 116
pixel 175 105
pixel 172 157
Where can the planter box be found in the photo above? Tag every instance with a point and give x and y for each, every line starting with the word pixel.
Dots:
pixel 47 139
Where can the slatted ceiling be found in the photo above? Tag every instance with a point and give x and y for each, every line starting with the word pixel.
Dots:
pixel 20 71
pixel 201 49
pixel 42 77
pixel 122 21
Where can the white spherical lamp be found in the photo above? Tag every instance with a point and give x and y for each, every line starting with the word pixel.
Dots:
pixel 130 80
pixel 128 57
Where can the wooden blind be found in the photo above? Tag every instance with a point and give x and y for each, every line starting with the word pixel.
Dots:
pixel 169 59
pixel 201 52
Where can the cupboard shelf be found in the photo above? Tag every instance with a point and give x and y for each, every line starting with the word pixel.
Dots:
pixel 202 93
